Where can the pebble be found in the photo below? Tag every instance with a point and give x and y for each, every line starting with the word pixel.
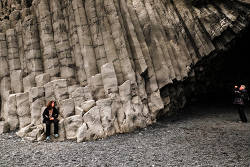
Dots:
pixel 202 139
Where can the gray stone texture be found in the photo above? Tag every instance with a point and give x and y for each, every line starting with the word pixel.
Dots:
pixel 71 125
pixel 109 64
pixel 12 117
pixel 37 102
pixel 42 79
pixel 4 127
pixel 109 78
pixel 23 109
pixel 67 108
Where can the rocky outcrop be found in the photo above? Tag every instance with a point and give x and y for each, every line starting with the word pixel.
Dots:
pixel 112 66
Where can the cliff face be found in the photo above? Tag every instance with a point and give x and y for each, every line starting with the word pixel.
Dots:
pixel 108 63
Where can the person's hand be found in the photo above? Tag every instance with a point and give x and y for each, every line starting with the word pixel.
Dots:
pixel 51 119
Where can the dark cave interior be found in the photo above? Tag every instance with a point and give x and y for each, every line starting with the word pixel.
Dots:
pixel 223 71
pixel 213 81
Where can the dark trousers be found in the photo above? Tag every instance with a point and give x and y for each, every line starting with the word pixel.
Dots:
pixel 242 114
pixel 48 123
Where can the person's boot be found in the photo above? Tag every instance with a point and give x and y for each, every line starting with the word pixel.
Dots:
pixel 56 135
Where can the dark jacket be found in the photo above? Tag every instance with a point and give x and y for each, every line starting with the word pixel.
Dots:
pixel 46 114
pixel 240 97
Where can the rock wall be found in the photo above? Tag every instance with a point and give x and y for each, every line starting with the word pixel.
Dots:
pixel 111 65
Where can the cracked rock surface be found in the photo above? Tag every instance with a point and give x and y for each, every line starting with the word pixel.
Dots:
pixel 135 54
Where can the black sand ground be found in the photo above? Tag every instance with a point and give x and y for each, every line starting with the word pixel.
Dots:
pixel 201 136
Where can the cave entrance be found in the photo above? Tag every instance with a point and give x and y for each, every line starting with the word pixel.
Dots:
pixel 223 71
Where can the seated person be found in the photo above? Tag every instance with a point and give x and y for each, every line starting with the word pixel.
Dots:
pixel 50 115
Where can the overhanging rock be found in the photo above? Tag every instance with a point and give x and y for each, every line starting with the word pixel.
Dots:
pixel 112 66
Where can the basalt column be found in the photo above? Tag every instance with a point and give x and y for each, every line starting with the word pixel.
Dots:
pixel 85 40
pixel 109 45
pixel 21 54
pixel 111 65
pixel 152 85
pixel 50 57
pixel 75 44
pixel 96 26
pixel 16 74
pixel 120 41
pixel 160 58
pixel 4 75
pixel 32 51
pixel 67 67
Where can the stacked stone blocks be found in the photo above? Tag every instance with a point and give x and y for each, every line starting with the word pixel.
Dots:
pixel 109 65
